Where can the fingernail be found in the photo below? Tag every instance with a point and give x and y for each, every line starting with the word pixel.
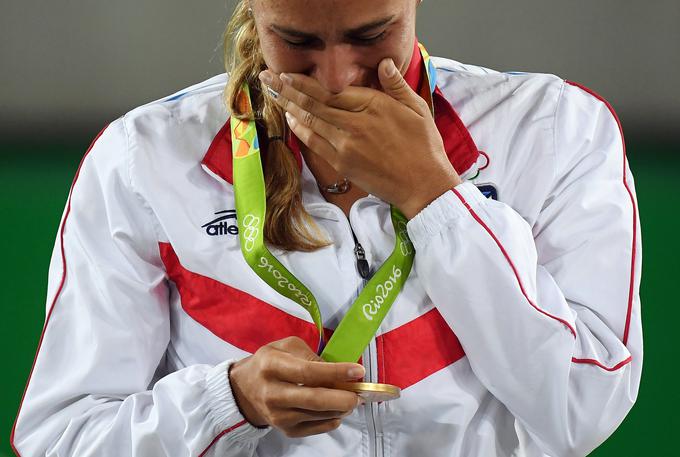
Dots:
pixel 291 121
pixel 356 372
pixel 265 77
pixel 286 78
pixel 390 68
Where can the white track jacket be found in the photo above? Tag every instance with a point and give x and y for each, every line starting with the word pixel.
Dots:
pixel 517 333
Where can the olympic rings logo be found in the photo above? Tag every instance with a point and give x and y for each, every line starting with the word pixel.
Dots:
pixel 405 244
pixel 251 224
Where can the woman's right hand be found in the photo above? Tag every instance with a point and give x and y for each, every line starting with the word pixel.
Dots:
pixel 286 385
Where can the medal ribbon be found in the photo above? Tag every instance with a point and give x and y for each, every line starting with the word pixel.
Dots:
pixel 361 322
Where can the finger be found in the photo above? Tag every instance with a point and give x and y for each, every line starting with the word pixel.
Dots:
pixel 315 142
pixel 308 95
pixel 307 415
pixel 352 98
pixel 318 399
pixel 289 417
pixel 326 130
pixel 288 368
pixel 395 85
pixel 297 347
pixel 312 428
pixel 297 82
pixel 321 119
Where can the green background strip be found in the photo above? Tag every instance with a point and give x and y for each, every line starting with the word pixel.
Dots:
pixel 34 185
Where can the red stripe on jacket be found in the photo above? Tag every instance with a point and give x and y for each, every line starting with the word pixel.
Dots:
pixel 406 355
pixel 631 284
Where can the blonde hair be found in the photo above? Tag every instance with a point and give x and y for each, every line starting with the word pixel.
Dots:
pixel 287 225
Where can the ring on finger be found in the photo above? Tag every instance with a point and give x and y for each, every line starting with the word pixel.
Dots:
pixel 272 92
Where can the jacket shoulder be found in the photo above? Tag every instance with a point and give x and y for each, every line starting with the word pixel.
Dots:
pixel 184 114
pixel 456 78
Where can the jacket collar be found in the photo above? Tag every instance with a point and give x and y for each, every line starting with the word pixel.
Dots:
pixel 459 145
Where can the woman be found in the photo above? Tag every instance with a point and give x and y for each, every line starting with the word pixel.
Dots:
pixel 516 332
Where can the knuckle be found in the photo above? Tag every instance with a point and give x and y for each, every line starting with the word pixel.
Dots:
pixel 308 118
pixel 399 83
pixel 303 374
pixel 314 143
pixel 331 99
pixel 263 351
pixel 270 366
pixel 264 355
pixel 368 104
pixel 306 135
pixel 342 145
pixel 287 344
pixel 307 103
pixel 333 162
pixel 339 166
pixel 271 400
pixel 286 104
pixel 296 83
pixel 292 341
pixel 339 372
pixel 375 107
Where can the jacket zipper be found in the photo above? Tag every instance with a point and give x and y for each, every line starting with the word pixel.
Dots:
pixel 370 361
pixel 363 268
pixel 372 409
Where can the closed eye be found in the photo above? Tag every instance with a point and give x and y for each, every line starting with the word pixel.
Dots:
pixel 370 40
pixel 315 43
pixel 304 44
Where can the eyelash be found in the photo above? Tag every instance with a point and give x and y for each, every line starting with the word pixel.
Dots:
pixel 358 41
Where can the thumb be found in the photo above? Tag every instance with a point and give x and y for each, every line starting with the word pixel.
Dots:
pixel 394 85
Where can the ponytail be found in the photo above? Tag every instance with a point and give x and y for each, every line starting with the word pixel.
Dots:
pixel 287 225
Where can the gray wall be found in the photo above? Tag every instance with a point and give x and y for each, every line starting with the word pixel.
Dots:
pixel 68 67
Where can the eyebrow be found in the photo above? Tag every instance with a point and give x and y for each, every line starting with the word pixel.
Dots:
pixel 351 32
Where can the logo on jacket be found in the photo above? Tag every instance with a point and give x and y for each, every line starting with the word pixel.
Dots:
pixel 488 190
pixel 225 224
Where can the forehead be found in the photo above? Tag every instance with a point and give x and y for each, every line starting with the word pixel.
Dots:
pixel 324 16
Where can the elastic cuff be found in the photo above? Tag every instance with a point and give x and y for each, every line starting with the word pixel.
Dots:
pixel 442 212
pixel 223 409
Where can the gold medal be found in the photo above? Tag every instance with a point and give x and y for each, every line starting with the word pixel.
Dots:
pixel 371 391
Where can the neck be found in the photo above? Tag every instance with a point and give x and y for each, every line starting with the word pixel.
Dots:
pixel 325 176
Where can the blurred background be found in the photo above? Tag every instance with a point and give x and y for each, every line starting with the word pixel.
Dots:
pixel 69 68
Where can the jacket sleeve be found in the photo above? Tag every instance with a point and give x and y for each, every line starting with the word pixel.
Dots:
pixel 98 386
pixel 549 314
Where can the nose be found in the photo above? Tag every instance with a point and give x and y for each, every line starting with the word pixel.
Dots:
pixel 336 68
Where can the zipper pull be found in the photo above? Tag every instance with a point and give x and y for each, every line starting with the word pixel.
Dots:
pixel 362 264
